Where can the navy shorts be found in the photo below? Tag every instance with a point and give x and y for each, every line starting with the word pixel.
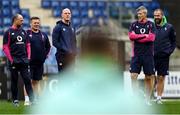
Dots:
pixel 161 65
pixel 36 71
pixel 147 62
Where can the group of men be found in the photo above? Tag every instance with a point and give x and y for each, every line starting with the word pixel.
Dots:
pixel 27 51
pixel 153 43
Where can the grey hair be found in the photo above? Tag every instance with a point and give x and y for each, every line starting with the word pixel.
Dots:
pixel 142 8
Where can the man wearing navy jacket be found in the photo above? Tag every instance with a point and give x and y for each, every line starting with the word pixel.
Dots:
pixel 16 47
pixel 64 39
pixel 164 46
pixel 40 47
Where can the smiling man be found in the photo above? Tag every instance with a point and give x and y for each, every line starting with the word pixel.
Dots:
pixel 39 45
pixel 164 46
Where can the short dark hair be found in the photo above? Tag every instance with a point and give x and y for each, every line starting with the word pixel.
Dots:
pixel 35 18
pixel 15 17
pixel 159 9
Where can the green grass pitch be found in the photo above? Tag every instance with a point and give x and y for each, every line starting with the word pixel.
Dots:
pixel 168 107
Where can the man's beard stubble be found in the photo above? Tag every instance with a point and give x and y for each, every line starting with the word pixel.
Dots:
pixel 158 21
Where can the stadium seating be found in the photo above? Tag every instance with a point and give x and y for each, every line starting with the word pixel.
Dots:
pixel 99 9
pixel 84 12
pixel 80 10
pixel 10 8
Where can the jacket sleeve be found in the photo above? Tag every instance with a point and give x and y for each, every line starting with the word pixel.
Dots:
pixel 55 37
pixel 151 36
pixel 47 45
pixel 28 47
pixel 6 46
pixel 132 35
pixel 172 37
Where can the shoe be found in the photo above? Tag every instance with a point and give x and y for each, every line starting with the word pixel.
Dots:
pixel 27 103
pixel 158 101
pixel 148 102
pixel 16 103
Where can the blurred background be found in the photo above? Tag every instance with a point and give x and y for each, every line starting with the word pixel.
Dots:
pixel 116 15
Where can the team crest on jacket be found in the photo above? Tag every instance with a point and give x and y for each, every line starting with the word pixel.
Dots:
pixel 64 29
pixel 19 40
pixel 12 34
pixel 142 30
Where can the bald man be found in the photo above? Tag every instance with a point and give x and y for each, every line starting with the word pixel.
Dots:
pixel 16 47
pixel 64 39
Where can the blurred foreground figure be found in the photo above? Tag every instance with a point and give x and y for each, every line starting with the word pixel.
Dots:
pixel 94 86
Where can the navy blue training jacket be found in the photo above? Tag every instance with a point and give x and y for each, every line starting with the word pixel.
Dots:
pixel 64 38
pixel 165 41
pixel 40 46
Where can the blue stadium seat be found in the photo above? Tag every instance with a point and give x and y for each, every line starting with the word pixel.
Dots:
pixel 84 13
pixel 7 21
pixel 75 13
pixel 56 12
pixel 97 13
pixel 1 31
pixel 15 11
pixel 26 21
pixel 146 4
pixel 155 5
pixel 55 4
pixel 25 13
pixel 15 3
pixel 101 4
pixel 1 21
pixel 137 4
pixel 46 29
pixel 6 12
pixel 128 4
pixel 85 21
pixel 6 3
pixel 93 21
pixel 73 4
pixel 83 5
pixel 76 22
pixel 92 4
pixel 104 13
pixel 64 4
pixel 105 20
pixel 116 4
pixel 46 4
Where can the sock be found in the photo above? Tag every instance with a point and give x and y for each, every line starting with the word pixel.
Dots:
pixel 26 98
pixel 158 97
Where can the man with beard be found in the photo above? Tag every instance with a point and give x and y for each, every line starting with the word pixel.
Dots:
pixel 164 46
pixel 17 49
pixel 142 35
